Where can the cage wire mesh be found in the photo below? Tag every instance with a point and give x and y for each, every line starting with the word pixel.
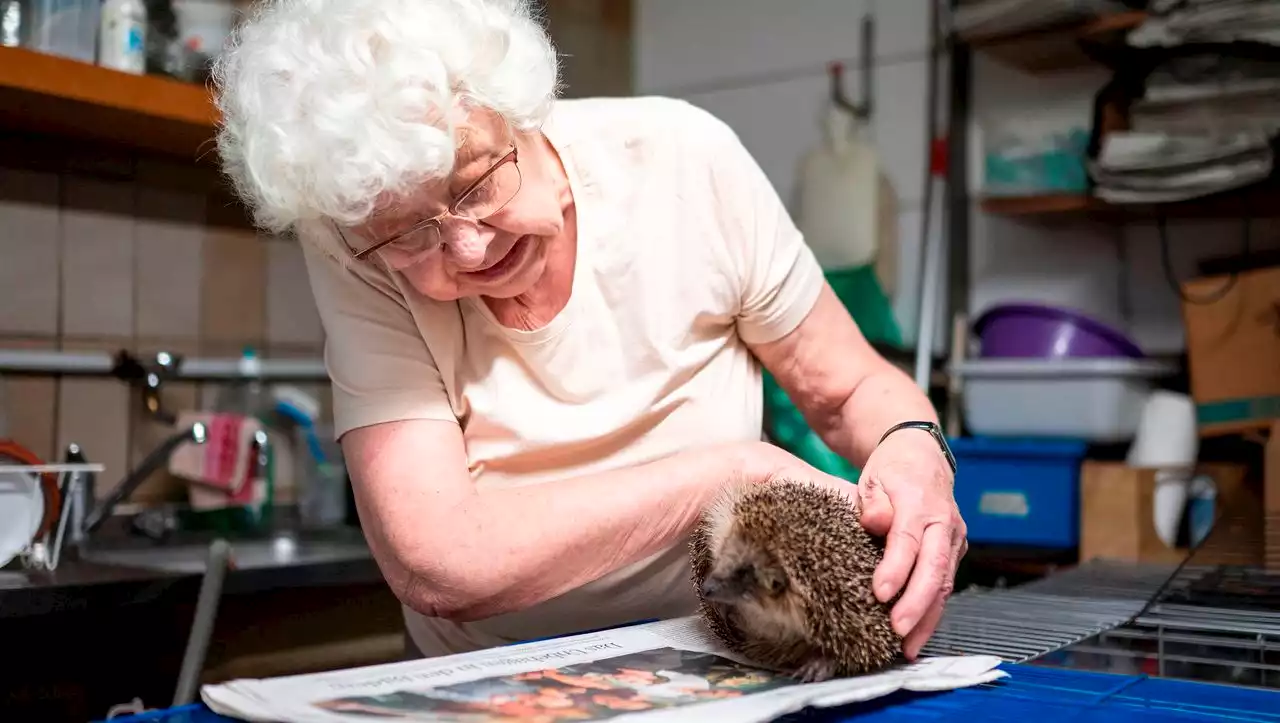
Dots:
pixel 1213 617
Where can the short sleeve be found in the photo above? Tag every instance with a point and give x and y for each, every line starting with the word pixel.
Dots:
pixel 377 359
pixel 778 277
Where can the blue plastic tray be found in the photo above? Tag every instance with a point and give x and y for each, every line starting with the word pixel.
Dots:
pixel 1045 695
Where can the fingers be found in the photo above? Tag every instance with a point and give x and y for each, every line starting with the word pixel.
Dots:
pixel 920 634
pixel 901 547
pixel 931 578
pixel 928 625
pixel 877 510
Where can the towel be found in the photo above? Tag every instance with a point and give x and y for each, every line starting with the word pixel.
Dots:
pixel 223 464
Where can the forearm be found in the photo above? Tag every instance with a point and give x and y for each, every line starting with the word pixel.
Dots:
pixel 881 399
pixel 847 392
pixel 465 554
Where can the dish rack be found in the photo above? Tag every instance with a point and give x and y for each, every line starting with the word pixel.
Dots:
pixel 45 549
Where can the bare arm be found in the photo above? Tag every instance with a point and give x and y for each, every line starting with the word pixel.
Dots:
pixel 451 550
pixel 848 393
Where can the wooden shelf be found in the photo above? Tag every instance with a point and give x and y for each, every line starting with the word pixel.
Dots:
pixel 1040 205
pixel 1057 48
pixel 50 95
pixel 1256 202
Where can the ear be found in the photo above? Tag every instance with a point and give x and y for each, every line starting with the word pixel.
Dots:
pixel 771 579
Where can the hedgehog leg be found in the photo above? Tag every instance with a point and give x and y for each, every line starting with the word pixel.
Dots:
pixel 815 669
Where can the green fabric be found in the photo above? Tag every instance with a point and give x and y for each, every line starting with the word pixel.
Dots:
pixel 860 292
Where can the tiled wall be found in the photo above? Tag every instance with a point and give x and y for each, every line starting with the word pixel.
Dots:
pixel 102 263
pixel 594 40
pixel 760 66
pixel 101 251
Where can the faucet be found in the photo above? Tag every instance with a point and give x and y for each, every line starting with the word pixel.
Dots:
pixel 196 433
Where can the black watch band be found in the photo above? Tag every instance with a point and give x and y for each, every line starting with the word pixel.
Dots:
pixel 934 431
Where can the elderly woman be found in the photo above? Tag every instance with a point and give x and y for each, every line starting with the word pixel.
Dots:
pixel 546 321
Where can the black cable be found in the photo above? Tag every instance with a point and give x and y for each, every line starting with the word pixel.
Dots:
pixel 1171 278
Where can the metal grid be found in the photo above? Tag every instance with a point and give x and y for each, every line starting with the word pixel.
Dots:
pixel 1215 622
pixel 1029 621
pixel 1219 625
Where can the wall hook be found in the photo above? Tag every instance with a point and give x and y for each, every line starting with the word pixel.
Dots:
pixel 861 109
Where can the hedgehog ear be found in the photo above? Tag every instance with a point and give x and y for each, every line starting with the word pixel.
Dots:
pixel 772 579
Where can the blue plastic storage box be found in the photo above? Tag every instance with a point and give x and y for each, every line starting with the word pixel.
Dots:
pixel 1019 492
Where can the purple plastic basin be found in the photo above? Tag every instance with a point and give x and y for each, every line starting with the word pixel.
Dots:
pixel 1031 331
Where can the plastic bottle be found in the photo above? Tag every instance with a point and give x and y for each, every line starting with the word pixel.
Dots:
pixel 122 36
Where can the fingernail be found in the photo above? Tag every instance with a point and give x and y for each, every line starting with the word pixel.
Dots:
pixel 906 625
pixel 884 590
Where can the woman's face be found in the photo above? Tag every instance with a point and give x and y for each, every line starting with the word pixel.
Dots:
pixel 500 255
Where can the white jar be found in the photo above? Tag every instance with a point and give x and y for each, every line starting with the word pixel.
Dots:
pixel 122 36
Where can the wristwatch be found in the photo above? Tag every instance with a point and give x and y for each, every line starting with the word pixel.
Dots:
pixel 934 431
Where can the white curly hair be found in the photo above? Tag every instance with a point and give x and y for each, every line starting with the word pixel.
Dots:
pixel 327 105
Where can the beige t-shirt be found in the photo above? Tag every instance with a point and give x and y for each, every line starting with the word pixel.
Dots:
pixel 685 252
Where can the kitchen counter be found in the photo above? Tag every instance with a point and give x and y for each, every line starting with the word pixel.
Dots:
pixel 139 571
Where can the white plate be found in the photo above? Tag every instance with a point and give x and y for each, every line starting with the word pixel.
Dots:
pixel 21 511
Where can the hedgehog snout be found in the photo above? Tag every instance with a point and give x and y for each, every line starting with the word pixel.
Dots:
pixel 716 590
pixel 729 589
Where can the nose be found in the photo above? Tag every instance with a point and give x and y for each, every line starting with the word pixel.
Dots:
pixel 465 242
pixel 712 588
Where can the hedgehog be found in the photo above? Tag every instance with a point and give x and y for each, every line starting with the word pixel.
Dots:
pixel 783 574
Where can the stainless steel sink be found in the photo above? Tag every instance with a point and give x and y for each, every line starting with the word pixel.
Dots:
pixel 188 556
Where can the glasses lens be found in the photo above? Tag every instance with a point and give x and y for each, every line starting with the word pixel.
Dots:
pixel 493 195
pixel 410 248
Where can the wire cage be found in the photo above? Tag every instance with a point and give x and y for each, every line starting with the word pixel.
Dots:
pixel 1216 622
pixel 1215 617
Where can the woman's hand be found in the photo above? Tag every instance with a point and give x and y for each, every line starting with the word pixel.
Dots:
pixel 768 461
pixel 906 497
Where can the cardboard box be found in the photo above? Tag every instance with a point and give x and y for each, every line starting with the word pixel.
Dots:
pixel 1116 517
pixel 1233 350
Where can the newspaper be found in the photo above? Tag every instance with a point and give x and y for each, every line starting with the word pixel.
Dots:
pixel 671 670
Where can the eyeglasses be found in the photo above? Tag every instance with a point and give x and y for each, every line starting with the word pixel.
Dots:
pixel 487 195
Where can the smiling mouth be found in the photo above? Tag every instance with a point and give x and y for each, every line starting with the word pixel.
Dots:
pixel 500 266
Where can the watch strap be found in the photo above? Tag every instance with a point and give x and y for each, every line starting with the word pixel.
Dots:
pixel 933 430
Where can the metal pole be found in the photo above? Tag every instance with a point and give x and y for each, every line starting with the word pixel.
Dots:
pixel 22 361
pixel 202 624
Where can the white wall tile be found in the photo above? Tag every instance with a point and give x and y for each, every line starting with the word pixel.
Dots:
pixel 291 308
pixel 902 28
pixel 777 122
pixel 97 258
pixel 28 252
pixel 898 126
pixel 169 265
pixel 690 43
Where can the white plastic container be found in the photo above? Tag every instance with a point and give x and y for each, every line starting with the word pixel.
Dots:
pixel 1099 400
pixel 203 25
pixel 122 36
pixel 68 28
